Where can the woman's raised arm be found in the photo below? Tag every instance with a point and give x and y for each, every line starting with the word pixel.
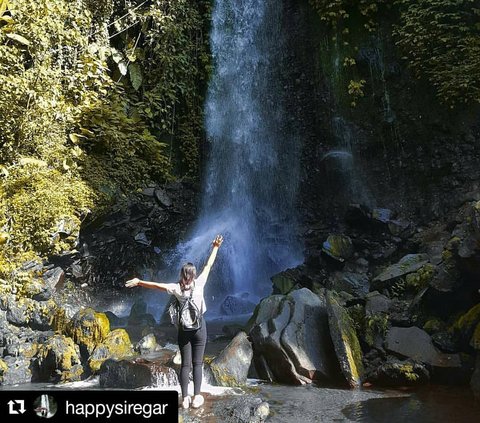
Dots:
pixel 213 255
pixel 138 282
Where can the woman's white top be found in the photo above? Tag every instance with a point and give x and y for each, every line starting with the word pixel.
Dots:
pixel 175 289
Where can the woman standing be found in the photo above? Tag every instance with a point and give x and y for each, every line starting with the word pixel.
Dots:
pixel 191 343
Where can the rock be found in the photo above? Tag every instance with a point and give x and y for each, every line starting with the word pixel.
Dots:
pixel 230 367
pixel 445 342
pixel 235 305
pixel 115 321
pixel 3 369
pixel 446 278
pixel 147 344
pixel 163 198
pixel 57 360
pixel 245 409
pixel 283 282
pixel 141 238
pixel 291 339
pixel 464 327
pixel 397 373
pixel 475 341
pixel 401 228
pixel 149 192
pixel 139 308
pixel 382 215
pixel 408 264
pixel 339 247
pixel 352 283
pixel 18 370
pixel 345 342
pixel 131 374
pixel 358 215
pixel 88 329
pixel 416 344
pixel 376 303
pixel 116 345
pixel 475 380
pixel 54 278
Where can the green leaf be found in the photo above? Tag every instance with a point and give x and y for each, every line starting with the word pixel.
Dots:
pixel 19 39
pixel 135 75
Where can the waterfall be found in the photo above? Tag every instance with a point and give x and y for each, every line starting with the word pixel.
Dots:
pixel 252 171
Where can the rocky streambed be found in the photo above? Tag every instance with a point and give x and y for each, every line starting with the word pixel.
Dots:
pixel 379 303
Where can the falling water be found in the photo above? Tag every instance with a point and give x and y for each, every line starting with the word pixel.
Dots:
pixel 252 171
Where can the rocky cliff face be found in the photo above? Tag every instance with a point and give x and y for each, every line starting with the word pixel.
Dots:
pixel 398 147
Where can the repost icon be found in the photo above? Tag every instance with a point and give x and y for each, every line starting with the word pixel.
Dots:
pixel 16 407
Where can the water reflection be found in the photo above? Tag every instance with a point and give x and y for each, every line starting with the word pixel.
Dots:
pixel 429 405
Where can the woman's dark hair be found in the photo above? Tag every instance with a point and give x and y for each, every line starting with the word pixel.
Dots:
pixel 187 273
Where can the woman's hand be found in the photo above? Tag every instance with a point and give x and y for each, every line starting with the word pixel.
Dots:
pixel 132 283
pixel 217 241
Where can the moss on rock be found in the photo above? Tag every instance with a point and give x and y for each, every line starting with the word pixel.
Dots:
pixel 116 345
pixel 88 328
pixel 475 341
pixel 466 323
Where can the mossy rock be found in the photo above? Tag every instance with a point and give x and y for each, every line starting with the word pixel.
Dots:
pixel 339 247
pixel 3 369
pixel 465 325
pixel 116 346
pixel 421 278
pixel 433 325
pixel 58 360
pixel 88 328
pixel 345 341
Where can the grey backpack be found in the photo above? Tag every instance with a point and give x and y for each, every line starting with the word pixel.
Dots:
pixel 185 316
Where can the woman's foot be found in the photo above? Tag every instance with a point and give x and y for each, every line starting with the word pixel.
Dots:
pixel 186 402
pixel 197 401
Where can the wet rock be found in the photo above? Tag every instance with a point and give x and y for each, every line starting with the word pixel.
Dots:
pixel 246 409
pixel 54 278
pixel 149 191
pixel 345 342
pixel 230 367
pixel 464 327
pixel 139 308
pixel 445 342
pixel 416 344
pixel 116 345
pixel 284 282
pixel 235 305
pixel 400 228
pixel 339 247
pixel 291 339
pixel 147 344
pixel 376 303
pixel 163 198
pixel 408 264
pixel 353 283
pixel 136 373
pixel 142 238
pixel 88 329
pixel 18 370
pixel 115 321
pixel 446 278
pixel 58 360
pixel 382 215
pixel 396 373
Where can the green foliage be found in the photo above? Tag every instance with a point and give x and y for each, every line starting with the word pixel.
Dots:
pixel 441 40
pixel 91 110
pixel 376 323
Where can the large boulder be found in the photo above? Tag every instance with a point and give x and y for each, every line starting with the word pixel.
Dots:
pixel 345 341
pixel 16 370
pixel 416 344
pixel 408 264
pixel 88 329
pixel 148 344
pixel 116 345
pixel 136 373
pixel 291 339
pixel 57 360
pixel 230 367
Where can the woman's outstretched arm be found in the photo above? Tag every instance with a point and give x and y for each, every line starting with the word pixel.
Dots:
pixel 213 255
pixel 138 282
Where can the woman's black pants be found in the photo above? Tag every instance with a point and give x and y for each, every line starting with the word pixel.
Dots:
pixel 192 347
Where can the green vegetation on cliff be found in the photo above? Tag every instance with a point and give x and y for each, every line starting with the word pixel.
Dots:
pixel 439 39
pixel 98 99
